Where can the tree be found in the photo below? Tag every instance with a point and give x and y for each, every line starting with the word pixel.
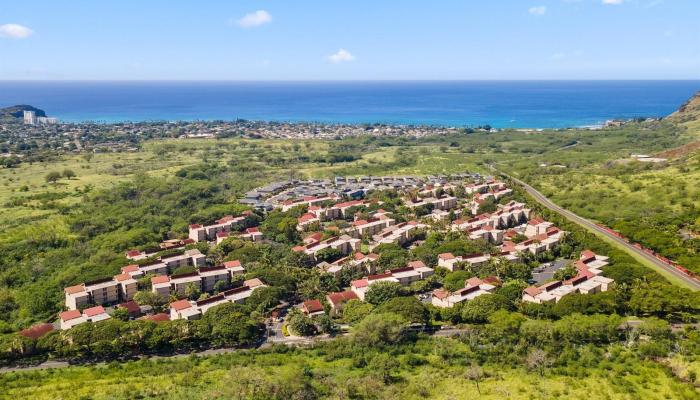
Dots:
pixel 301 324
pixel 355 311
pixel 479 309
pixel 68 173
pixel 383 365
pixel 121 314
pixel 456 280
pixel 475 374
pixel 408 307
pixel 565 273
pixel 148 298
pixel 381 329
pixel 53 177
pixel 192 291
pixel 381 292
pixel 537 360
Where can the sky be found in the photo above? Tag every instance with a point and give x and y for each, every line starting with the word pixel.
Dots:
pixel 349 40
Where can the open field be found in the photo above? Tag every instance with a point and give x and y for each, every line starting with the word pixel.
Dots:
pixel 308 374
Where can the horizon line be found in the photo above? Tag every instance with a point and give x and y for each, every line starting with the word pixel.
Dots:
pixel 355 80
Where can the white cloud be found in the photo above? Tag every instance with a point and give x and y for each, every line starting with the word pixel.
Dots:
pixel 251 20
pixel 539 10
pixel 614 2
pixel 340 56
pixel 15 31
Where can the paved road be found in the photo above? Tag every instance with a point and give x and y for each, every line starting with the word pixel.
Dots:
pixel 691 283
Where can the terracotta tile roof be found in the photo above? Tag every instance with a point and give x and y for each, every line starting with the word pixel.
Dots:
pixel 160 317
pixel 131 307
pixel 306 217
pixel 532 291
pixel 313 306
pixel 338 298
pixel 74 289
pixel 195 226
pixel 474 281
pixel 69 315
pixel 232 264
pixel 446 256
pixel 160 279
pixel 130 268
pixel 133 253
pixel 441 293
pixel 122 277
pixel 416 264
pixel 360 283
pixel 180 305
pixel 92 311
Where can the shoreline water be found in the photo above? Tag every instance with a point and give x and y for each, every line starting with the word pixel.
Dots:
pixel 464 104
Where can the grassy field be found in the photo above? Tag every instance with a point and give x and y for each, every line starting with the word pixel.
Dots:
pixel 310 374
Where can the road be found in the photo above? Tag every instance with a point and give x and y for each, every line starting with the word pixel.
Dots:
pixel 690 282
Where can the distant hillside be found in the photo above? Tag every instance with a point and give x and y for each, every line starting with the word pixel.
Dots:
pixel 18 111
pixel 688 114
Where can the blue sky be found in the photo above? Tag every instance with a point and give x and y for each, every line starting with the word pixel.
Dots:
pixel 339 40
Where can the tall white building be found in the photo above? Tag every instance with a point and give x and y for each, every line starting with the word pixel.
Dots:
pixel 47 120
pixel 29 118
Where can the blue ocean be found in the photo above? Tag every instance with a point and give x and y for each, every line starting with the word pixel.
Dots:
pixel 518 104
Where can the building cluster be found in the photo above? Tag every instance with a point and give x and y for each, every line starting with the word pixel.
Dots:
pixel 588 280
pixel 164 278
pixel 30 118
pixel 414 271
pixel 340 209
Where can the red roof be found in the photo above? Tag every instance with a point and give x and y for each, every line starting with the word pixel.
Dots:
pixel 160 279
pixel 306 217
pixel 123 277
pixel 416 264
pixel 298 248
pixel 222 234
pixel 37 331
pixel 195 226
pixel 232 264
pixel 252 230
pixel 348 204
pixel 338 298
pixel 160 317
pixel 474 281
pixel 130 268
pixel 446 256
pixel 131 307
pixel 75 289
pixel 440 293
pixel 69 315
pixel 133 253
pixel 359 283
pixel 312 306
pixel 92 311
pixel 532 291
pixel 180 305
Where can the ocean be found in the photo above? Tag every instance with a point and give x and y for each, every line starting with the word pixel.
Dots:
pixel 501 104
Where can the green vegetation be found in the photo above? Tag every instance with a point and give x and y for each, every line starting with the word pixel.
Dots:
pixel 577 357
pixel 77 225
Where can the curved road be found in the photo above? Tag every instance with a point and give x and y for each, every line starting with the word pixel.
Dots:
pixel 690 282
